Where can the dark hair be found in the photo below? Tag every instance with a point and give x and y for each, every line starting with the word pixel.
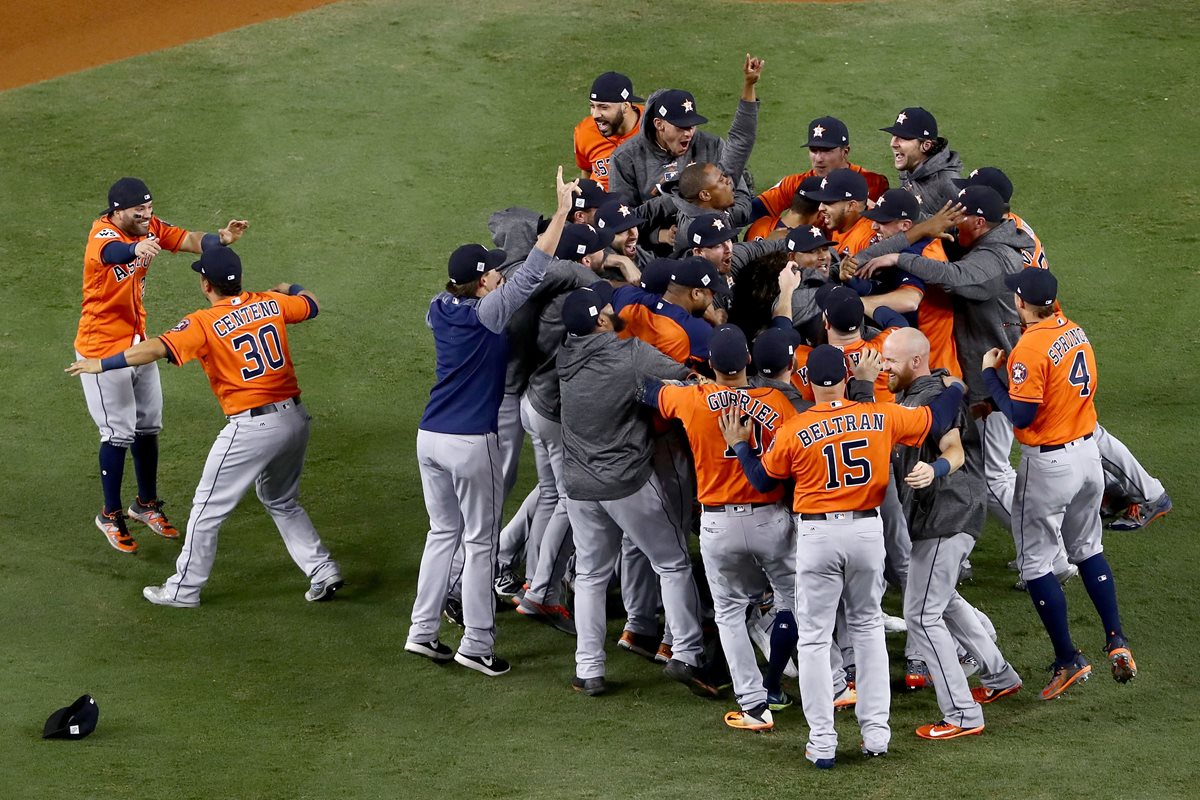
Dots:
pixel 755 292
pixel 467 289
pixel 802 205
pixel 692 180
pixel 1043 312
pixel 939 144
pixel 227 290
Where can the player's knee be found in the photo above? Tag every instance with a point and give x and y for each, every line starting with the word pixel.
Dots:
pixel 121 440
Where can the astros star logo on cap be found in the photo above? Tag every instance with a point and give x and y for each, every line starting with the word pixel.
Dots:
pixel 824 182
pixel 687 106
pixel 624 211
pixel 901 117
pixel 815 231
pixel 718 224
pixel 818 132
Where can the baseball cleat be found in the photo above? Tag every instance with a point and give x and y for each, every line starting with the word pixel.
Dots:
pixel 664 653
pixel 433 650
pixel 151 515
pixel 113 527
pixel 984 695
pixel 589 686
pixel 158 595
pixel 894 624
pixel 692 677
pixel 946 730
pixel 916 675
pixel 869 753
pixel 847 698
pixel 323 591
pixel 1139 515
pixel 642 644
pixel 969 665
pixel 452 611
pixel 507 584
pixel 821 763
pixel 1077 670
pixel 754 719
pixel 1123 667
pixel 851 674
pixel 778 701
pixel 556 616
pixel 493 666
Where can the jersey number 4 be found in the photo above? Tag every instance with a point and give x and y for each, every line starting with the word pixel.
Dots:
pixel 843 467
pixel 262 350
pixel 1079 375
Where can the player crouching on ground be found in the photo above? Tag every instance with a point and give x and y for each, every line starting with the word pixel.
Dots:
pixel 242 343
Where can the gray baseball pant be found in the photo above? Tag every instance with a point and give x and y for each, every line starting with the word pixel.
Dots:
pixel 124 402
pixel 1123 473
pixel 550 530
pixel 461 478
pixel 597 525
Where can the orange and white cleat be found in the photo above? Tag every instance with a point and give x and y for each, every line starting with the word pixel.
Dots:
pixel 983 695
pixel 1077 670
pixel 754 719
pixel 1124 669
pixel 946 730
pixel 151 515
pixel 113 527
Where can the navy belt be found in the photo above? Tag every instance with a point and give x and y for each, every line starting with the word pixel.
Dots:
pixel 721 509
pixel 870 512
pixel 1050 448
pixel 271 408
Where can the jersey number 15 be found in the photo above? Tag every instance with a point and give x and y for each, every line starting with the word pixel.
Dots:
pixel 843 467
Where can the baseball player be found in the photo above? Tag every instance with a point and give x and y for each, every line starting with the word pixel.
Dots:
pixel 711 236
pixel 828 149
pixel 1050 400
pixel 801 212
pixel 615 115
pixel 838 452
pixel 456 441
pixel 945 506
pixel 612 487
pixel 126 404
pixel 924 160
pixel 583 205
pixel 242 343
pixel 843 198
pixel 744 533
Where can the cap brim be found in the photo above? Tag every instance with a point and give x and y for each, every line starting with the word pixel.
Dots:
pixel 962 183
pixel 197 267
pixel 824 145
pixel 875 215
pixel 625 224
pixel 494 258
pixel 1013 280
pixel 687 121
pixel 896 130
pixel 808 248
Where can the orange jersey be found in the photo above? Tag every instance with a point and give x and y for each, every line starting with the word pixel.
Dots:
pixel 853 354
pixel 763 227
pixel 242 344
pixel 592 151
pixel 1054 366
pixel 112 293
pixel 1034 256
pixel 935 319
pixel 779 197
pixel 839 452
pixel 855 240
pixel 719 476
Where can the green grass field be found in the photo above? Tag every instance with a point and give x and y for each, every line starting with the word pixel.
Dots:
pixel 365 141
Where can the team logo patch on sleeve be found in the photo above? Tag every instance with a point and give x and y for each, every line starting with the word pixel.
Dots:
pixel 108 233
pixel 182 326
pixel 1019 372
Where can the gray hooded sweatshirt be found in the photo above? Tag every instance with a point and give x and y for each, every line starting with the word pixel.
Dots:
pixel 930 181
pixel 982 303
pixel 606 431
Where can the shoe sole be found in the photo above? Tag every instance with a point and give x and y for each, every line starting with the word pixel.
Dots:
pixel 780 706
pixel 637 651
pixel 736 716
pixel 1123 667
pixel 330 590
pixel 167 604
pixel 480 668
pixel 590 692
pixel 694 684
pixel 153 529
pixel 1116 526
pixel 961 732
pixel 997 695
pixel 437 658
pixel 113 542
pixel 1078 677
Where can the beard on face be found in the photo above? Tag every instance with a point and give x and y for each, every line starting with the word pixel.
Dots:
pixel 618 324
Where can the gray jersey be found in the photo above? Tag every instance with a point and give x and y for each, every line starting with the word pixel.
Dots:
pixel 931 182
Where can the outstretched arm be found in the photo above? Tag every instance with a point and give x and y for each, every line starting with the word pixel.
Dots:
pixel 141 353
pixel 196 241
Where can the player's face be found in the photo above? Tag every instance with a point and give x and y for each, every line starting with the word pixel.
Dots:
pixel 906 153
pixel 720 188
pixel 608 116
pixel 719 255
pixel 814 259
pixel 625 243
pixel 614 320
pixel 899 369
pixel 826 159
pixel 837 215
pixel 134 221
pixel 888 229
pixel 970 229
pixel 594 261
pixel 489 282
pixel 701 300
pixel 672 138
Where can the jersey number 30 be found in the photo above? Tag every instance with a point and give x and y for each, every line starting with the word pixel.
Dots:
pixel 1079 375
pixel 262 350
pixel 849 469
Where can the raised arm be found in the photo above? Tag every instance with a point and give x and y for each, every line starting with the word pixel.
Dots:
pixel 736 150
pixel 196 241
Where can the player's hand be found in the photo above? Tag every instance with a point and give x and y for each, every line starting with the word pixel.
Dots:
pixel 949 380
pixel 715 316
pixel 625 265
pixel 667 235
pixel 946 218
pixel 847 268
pixel 789 279
pixel 879 262
pixel 752 69
pixel 565 192
pixel 233 231
pixel 732 427
pixel 921 476
pixel 993 358
pixel 89 366
pixel 147 249
pixel 870 364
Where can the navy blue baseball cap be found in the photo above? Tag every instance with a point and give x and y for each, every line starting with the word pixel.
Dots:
pixel 695 272
pixel 678 108
pixel 805 240
pixel 845 312
pixel 591 195
pixel 615 216
pixel 581 310
pixel 1035 286
pixel 657 274
pixel 841 184
pixel 603 290
pixel 576 241
pixel 220 265
pixel 74 721
pixel 827 133
pixel 895 204
pixel 826 366
pixel 987 176
pixel 775 350
pixel 613 87
pixel 982 201
pixel 127 193
pixel 727 349
pixel 709 230
pixel 467 263
pixel 829 293
pixel 913 123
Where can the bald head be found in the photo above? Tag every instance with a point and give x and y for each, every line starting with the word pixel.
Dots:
pixel 905 358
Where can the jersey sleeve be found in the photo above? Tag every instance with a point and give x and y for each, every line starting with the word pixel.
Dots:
pixel 777 460
pixel 672 401
pixel 169 236
pixel 581 158
pixel 185 341
pixel 907 279
pixel 296 308
pixel 1027 375
pixel 778 198
pixel 910 426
